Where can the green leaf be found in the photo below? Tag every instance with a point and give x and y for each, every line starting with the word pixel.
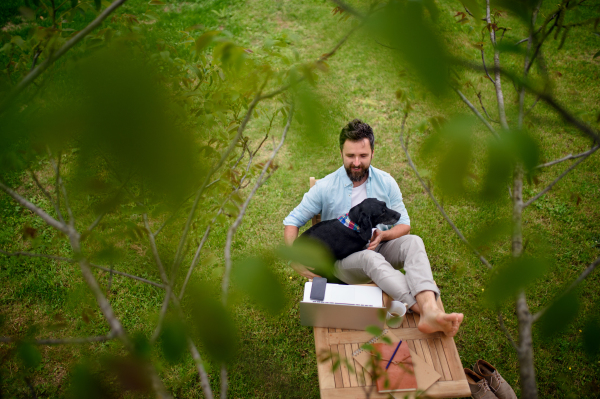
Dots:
pixel 29 355
pixel 98 4
pixel 205 39
pixel 374 330
pixel 212 323
pixel 591 332
pixel 596 55
pixel 512 277
pixel 257 280
pixel 559 315
pixel 173 340
pixel 310 253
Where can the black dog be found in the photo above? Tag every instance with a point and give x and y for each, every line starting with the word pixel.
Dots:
pixel 342 240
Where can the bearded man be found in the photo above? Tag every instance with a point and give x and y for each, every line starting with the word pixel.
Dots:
pixel 390 248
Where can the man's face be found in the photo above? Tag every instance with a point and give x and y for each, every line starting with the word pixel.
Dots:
pixel 357 156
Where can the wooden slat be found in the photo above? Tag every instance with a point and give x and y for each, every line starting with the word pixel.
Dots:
pixel 359 337
pixel 360 375
pixel 443 361
pixel 352 372
pixel 405 322
pixel 442 389
pixel 417 319
pixel 343 367
pixel 434 356
pixel 337 374
pixel 326 378
pixel 454 363
pixel 426 352
pixel 449 389
pixel 411 344
pixel 411 320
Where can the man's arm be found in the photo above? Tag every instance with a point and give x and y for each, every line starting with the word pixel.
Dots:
pixel 290 233
pixel 379 236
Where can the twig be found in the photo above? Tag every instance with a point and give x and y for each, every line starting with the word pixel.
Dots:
pixel 506 332
pixel 485 67
pixel 532 105
pixel 96 222
pixel 484 110
pixel 545 190
pixel 47 194
pixel 69 260
pixel 201 370
pixel 566 158
pixel 31 76
pixel 574 284
pixel 476 112
pixel 64 341
pixel 60 183
pixel 497 80
pixel 456 230
pixel 38 211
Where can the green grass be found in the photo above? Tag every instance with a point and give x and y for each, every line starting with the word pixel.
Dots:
pixel 276 357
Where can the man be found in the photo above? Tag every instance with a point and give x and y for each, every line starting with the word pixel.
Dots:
pixel 389 248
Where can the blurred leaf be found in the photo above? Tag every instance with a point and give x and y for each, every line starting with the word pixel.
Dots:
pixel 205 39
pixel 258 281
pixel 29 355
pixel 521 8
pixel 212 322
pixel 374 330
pixel 310 113
pixel 173 340
pixel 490 231
pixel 27 13
pixel 596 55
pixel 499 169
pixel 86 384
pixel 512 277
pixel 559 315
pixel 404 27
pixel 132 373
pixel 591 332
pixel 141 346
pixel 310 253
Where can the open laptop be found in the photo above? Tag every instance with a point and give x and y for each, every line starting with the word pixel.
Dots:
pixel 345 306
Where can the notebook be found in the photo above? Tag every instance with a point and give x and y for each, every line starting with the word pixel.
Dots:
pixel 399 376
pixel 425 374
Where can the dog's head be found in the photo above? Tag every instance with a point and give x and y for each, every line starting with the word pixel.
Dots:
pixel 372 212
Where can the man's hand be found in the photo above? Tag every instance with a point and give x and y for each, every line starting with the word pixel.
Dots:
pixel 303 271
pixel 375 239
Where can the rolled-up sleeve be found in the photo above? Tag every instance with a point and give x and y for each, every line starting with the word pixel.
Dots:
pixel 310 206
pixel 397 204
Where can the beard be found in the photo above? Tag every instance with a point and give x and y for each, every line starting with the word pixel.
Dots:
pixel 357 175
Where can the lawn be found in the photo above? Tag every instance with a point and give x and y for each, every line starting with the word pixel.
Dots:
pixel 275 356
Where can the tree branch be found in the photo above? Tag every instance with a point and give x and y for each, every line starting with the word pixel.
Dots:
pixel 497 79
pixel 38 211
pixel 485 67
pixel 47 194
pixel 476 112
pixel 570 156
pixel 544 191
pixel 484 110
pixel 571 287
pixel 456 230
pixel 31 76
pixel 60 183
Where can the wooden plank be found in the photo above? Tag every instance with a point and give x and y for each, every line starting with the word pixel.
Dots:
pixel 449 389
pixel 343 367
pixel 411 320
pixel 417 319
pixel 426 352
pixel 326 378
pixel 337 374
pixel 405 322
pixel 443 361
pixel 352 369
pixel 434 356
pixel 442 389
pixel 454 362
pixel 360 375
pixel 418 348
pixel 411 344
pixel 360 337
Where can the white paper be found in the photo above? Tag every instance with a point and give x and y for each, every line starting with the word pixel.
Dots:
pixel 348 294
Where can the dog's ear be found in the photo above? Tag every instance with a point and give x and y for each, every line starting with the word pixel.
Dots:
pixel 364 222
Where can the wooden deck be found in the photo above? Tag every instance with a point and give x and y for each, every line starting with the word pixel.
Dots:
pixel 437 350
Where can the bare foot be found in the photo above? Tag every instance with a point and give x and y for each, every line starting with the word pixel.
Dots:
pixel 433 321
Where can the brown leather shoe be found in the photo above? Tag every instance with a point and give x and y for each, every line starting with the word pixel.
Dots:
pixel 479 386
pixel 498 384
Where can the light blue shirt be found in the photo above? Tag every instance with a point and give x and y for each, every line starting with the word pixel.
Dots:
pixel 331 196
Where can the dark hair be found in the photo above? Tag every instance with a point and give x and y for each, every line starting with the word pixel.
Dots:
pixel 356 131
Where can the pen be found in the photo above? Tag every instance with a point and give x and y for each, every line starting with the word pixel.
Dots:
pixel 388 365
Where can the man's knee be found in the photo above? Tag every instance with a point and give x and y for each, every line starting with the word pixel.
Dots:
pixel 415 241
pixel 371 261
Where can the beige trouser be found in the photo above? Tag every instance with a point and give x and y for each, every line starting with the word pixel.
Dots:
pixel 381 267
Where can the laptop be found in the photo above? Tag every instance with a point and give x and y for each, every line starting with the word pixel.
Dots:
pixel 351 307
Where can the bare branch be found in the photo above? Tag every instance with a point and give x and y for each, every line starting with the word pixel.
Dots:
pixel 64 341
pixel 545 190
pixel 506 332
pixel 224 383
pixel 96 222
pixel 201 370
pixel 497 74
pixel 60 183
pixel 47 194
pixel 532 105
pixel 31 76
pixel 527 62
pixel 476 112
pixel 238 220
pixel 484 110
pixel 485 67
pixel 38 211
pixel 566 158
pixel 573 285
pixel 456 230
pixel 197 256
